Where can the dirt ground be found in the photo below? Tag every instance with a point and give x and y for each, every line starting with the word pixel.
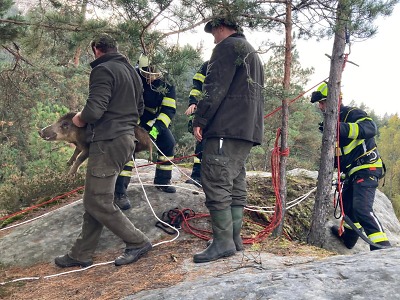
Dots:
pixel 162 267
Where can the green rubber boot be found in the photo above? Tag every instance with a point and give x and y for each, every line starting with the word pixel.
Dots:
pixel 237 220
pixel 222 244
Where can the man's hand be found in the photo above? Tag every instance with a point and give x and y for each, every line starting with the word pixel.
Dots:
pixel 77 120
pixel 198 133
pixel 191 109
pixel 154 133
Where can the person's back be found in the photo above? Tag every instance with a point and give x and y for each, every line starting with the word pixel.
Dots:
pixel 234 80
pixel 114 102
pixel 364 154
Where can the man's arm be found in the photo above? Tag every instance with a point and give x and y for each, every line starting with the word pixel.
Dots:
pixel 100 89
pixel 361 126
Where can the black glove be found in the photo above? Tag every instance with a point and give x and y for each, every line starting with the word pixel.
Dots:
pixel 321 126
pixel 190 123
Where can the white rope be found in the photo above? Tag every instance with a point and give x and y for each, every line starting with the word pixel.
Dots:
pixel 38 217
pixel 103 263
pixel 293 203
pixel 250 208
pixel 152 210
pixel 187 176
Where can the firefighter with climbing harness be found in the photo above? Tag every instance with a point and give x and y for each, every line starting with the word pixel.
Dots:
pixel 361 166
pixel 160 108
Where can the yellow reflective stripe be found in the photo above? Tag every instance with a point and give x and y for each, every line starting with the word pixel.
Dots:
pixel 126 173
pixel 378 237
pixel 164 167
pixel 363 119
pixel 196 160
pixel 150 123
pixel 353 131
pixel 129 163
pixel 164 118
pixel 350 147
pixel 165 158
pixel 199 77
pixel 195 93
pixel 152 110
pixel 377 164
pixel 358 225
pixel 170 102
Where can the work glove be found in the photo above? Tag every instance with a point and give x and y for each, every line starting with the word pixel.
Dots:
pixel 321 126
pixel 190 123
pixel 154 133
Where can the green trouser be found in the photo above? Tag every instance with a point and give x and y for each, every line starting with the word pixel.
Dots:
pixel 223 172
pixel 106 160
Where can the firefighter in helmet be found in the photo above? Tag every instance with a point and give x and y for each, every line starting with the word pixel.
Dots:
pixel 194 96
pixel 361 167
pixel 160 108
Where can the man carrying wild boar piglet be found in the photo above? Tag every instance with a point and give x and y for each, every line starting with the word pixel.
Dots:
pixel 111 112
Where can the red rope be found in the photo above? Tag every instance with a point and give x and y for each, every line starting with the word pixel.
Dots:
pixel 275 164
pixel 340 198
pixel 296 98
pixel 163 162
pixel 41 204
pixel 277 216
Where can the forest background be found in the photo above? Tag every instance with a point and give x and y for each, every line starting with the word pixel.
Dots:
pixel 44 72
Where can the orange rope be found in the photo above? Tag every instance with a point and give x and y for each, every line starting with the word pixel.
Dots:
pixel 41 204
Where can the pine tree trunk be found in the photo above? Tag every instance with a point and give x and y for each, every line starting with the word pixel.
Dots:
pixel 285 116
pixel 323 199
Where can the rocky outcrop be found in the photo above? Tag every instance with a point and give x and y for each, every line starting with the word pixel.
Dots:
pixel 369 275
pixel 54 234
pixel 360 274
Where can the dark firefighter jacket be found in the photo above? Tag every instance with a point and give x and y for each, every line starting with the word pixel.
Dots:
pixel 233 104
pixel 198 80
pixel 115 99
pixel 160 104
pixel 357 148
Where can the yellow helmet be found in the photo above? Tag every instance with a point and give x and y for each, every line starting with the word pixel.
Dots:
pixel 146 69
pixel 320 94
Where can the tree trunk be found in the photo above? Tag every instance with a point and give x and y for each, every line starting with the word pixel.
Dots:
pixel 323 199
pixel 285 115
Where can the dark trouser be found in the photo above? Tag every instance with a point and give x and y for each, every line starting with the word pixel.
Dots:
pixel 223 173
pixel 124 178
pixel 106 160
pixel 358 199
pixel 166 142
pixel 196 170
